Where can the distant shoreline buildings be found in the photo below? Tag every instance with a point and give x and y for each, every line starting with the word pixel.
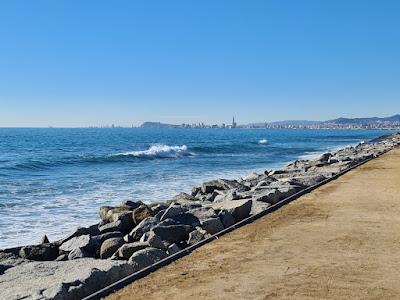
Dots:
pixel 392 122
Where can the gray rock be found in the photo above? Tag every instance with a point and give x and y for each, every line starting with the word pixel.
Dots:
pixel 91 230
pixel 172 249
pixel 112 214
pixel 99 239
pixel 141 213
pixel 218 184
pixel 157 207
pixel 212 225
pixel 258 207
pixel 39 252
pixel 269 195
pixel 276 191
pixel 67 280
pixel 229 195
pixel 142 228
pixel 127 250
pixel 111 227
pixel 307 180
pixel 172 233
pixel 172 211
pixel 239 209
pixel 184 219
pixel 110 246
pixel 185 197
pixel 325 157
pixel 156 242
pixel 196 236
pixel 195 191
pixel 146 257
pixel 203 213
pixel 251 176
pixel 77 253
pixel 84 242
pixel 226 218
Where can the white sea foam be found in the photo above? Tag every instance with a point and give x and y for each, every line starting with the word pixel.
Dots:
pixel 159 151
pixel 262 142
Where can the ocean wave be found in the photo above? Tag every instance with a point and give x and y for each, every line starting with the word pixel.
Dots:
pixel 158 151
pixel 262 142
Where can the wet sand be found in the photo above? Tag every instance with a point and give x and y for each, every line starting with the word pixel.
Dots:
pixel 342 241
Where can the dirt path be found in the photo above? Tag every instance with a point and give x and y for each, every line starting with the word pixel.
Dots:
pixel 341 241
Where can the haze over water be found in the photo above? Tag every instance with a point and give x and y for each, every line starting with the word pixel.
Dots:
pixel 53 180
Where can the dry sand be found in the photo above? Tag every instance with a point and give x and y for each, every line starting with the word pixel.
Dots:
pixel 342 241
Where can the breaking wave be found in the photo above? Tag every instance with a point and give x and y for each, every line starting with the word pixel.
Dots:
pixel 158 151
pixel 262 142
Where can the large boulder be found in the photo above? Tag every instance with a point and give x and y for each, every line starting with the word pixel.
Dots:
pixel 183 197
pixel 325 157
pixel 185 219
pixel 90 230
pixel 172 211
pixel 276 191
pixel 110 246
pixel 127 250
pixel 84 242
pixel 307 180
pixel 173 233
pixel 203 213
pixel 156 242
pixel 219 184
pixel 268 195
pixel 141 213
pixel 239 209
pixel 123 213
pixel 212 225
pixel 111 227
pixel 69 280
pixel 146 257
pixel 258 207
pixel 40 252
pixel 226 218
pixel 228 195
pixel 142 228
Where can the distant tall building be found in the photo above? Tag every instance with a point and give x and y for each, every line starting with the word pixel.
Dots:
pixel 233 123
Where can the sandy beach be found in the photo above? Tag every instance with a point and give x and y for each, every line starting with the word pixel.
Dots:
pixel 339 242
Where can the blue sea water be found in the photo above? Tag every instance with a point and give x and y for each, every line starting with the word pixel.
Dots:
pixel 53 180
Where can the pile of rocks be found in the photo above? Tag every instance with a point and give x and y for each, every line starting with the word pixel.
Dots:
pixel 141 234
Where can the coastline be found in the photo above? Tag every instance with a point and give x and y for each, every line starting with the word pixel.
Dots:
pixel 152 232
pixel 338 242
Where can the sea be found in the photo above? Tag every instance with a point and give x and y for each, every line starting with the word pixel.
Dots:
pixel 53 180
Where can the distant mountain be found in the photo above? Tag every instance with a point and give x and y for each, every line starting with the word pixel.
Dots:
pixel 365 121
pixel 157 125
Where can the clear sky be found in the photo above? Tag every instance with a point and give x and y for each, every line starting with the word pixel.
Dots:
pixel 79 63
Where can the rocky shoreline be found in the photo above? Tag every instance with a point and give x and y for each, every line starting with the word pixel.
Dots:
pixel 134 235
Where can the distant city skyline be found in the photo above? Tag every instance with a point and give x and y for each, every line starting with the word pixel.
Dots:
pixel 94 63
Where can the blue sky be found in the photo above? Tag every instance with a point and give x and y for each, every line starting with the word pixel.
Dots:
pixel 80 63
